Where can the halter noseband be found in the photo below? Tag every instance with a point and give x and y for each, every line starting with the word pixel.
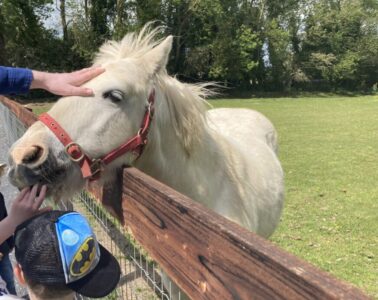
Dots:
pixel 91 167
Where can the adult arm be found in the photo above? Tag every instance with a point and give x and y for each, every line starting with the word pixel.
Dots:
pixel 66 84
pixel 15 80
pixel 20 80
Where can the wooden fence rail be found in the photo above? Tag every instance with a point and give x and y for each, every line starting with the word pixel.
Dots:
pixel 208 256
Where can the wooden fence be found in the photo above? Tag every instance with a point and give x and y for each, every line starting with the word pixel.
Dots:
pixel 208 256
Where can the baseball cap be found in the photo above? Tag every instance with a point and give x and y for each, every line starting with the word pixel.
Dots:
pixel 59 247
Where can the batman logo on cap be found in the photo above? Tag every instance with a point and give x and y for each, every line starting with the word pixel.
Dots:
pixel 83 258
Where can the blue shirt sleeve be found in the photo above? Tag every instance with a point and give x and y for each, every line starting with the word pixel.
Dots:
pixel 15 80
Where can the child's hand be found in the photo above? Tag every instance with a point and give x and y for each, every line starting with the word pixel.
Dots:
pixel 27 204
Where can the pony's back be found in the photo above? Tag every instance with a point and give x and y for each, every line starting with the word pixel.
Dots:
pixel 243 125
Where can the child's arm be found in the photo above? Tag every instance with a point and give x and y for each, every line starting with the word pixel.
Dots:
pixel 25 206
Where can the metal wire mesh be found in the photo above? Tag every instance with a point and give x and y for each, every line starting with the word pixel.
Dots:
pixel 141 277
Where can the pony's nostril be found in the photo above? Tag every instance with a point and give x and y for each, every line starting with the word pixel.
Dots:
pixel 32 155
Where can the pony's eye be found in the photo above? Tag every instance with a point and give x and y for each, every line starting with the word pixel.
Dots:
pixel 114 95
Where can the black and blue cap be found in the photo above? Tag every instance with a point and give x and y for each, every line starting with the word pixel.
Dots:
pixel 59 247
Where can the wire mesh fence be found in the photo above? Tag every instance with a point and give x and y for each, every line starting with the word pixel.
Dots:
pixel 141 277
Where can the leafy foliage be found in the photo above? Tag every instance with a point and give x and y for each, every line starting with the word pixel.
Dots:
pixel 254 45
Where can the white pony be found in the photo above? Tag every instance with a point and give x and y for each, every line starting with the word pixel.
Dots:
pixel 223 158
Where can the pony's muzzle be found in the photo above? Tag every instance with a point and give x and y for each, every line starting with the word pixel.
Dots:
pixel 25 162
pixel 21 176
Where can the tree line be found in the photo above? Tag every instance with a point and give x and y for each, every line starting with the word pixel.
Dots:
pixel 248 45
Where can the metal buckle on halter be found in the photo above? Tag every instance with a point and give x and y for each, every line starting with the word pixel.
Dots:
pixel 68 146
pixel 144 140
pixel 96 166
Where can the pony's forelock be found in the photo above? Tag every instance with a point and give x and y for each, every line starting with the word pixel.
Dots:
pixel 133 45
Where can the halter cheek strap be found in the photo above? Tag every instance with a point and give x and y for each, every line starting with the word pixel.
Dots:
pixel 91 168
pixel 73 150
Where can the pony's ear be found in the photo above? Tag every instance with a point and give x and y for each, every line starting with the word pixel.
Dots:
pixel 157 58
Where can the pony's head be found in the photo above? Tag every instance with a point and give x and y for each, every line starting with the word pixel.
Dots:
pixel 100 123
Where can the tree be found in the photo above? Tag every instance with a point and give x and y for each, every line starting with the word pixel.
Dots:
pixel 23 32
pixel 3 55
pixel 339 35
pixel 246 44
pixel 63 19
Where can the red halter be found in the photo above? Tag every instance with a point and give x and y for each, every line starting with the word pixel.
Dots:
pixel 91 168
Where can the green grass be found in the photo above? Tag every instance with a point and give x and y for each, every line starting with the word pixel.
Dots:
pixel 329 152
pixel 328 149
pixel 40 107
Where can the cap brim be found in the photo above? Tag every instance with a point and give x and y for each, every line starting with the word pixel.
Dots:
pixel 102 280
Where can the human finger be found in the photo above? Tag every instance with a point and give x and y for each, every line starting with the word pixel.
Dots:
pixel 22 194
pixel 38 200
pixel 76 91
pixel 82 70
pixel 88 75
pixel 33 192
pixel 89 69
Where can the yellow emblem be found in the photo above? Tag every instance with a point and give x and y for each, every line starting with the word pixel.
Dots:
pixel 83 258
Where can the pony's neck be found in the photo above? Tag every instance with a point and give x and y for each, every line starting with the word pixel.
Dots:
pixel 181 111
pixel 179 134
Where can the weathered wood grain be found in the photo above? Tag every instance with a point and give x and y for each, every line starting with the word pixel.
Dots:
pixel 210 257
pixel 24 115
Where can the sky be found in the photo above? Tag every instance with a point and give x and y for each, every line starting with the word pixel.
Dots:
pixel 53 22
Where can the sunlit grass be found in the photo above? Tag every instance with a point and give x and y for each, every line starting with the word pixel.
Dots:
pixel 40 107
pixel 328 149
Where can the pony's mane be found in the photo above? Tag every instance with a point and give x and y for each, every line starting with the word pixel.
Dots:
pixel 187 108
pixel 186 102
pixel 133 45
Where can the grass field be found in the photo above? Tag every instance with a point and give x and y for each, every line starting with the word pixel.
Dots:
pixel 329 152
pixel 328 149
